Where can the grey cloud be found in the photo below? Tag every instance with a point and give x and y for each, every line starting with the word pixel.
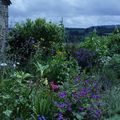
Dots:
pixel 76 13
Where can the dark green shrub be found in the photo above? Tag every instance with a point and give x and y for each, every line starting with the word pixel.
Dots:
pixel 114 43
pixel 61 69
pixel 27 37
pixel 85 58
pixel 97 44
pixel 114 64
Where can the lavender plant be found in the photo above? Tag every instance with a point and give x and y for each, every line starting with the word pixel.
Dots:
pixel 85 57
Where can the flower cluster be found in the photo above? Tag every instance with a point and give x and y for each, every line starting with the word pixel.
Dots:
pixel 82 97
pixel 54 86
pixel 84 57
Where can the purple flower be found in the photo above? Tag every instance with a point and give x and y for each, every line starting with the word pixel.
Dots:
pixel 60 105
pixel 63 94
pixel 90 109
pixel 81 109
pixel 98 113
pixel 95 97
pixel 75 95
pixel 69 109
pixel 39 118
pixel 69 103
pixel 43 118
pixel 77 78
pixel 60 116
pixel 87 81
pixel 83 92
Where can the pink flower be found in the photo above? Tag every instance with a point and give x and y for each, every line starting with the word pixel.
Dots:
pixel 54 86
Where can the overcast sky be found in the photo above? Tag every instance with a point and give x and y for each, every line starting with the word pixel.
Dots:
pixel 75 13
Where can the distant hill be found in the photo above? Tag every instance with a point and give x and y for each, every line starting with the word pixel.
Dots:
pixel 78 34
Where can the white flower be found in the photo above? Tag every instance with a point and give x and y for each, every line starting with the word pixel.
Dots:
pixel 3 64
pixel 17 63
pixel 14 65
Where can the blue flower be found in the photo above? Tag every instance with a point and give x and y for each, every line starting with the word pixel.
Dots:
pixel 83 92
pixel 90 109
pixel 43 118
pixel 60 116
pixel 69 109
pixel 63 94
pixel 95 97
pixel 81 109
pixel 60 105
pixel 39 118
pixel 98 113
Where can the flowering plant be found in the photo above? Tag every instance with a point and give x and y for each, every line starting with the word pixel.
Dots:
pixel 79 99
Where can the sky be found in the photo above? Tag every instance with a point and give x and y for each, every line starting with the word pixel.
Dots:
pixel 75 13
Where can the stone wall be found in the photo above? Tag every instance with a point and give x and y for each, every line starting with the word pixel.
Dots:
pixel 3 28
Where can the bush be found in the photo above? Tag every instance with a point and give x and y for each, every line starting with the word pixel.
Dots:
pixel 114 63
pixel 85 58
pixel 109 74
pixel 61 69
pixel 27 37
pixel 114 42
pixel 97 44
pixel 14 97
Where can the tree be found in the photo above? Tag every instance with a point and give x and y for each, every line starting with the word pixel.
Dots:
pixel 26 38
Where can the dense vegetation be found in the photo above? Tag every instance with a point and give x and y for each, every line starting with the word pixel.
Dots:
pixel 78 34
pixel 48 79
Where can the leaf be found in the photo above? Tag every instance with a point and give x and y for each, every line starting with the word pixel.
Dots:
pixel 79 116
pixel 7 113
pixel 6 96
pixel 41 68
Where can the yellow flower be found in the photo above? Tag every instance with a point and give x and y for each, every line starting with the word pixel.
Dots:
pixel 59 53
pixel 45 82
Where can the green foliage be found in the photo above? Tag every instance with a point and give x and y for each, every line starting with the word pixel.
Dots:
pixel 43 102
pixel 47 63
pixel 20 97
pixel 61 69
pixel 107 78
pixel 96 44
pixel 105 45
pixel 7 113
pixel 41 69
pixel 6 71
pixel 114 63
pixel 27 37
pixel 14 99
pixel 115 117
pixel 20 75
pixel 114 44
pixel 111 98
pixel 110 72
